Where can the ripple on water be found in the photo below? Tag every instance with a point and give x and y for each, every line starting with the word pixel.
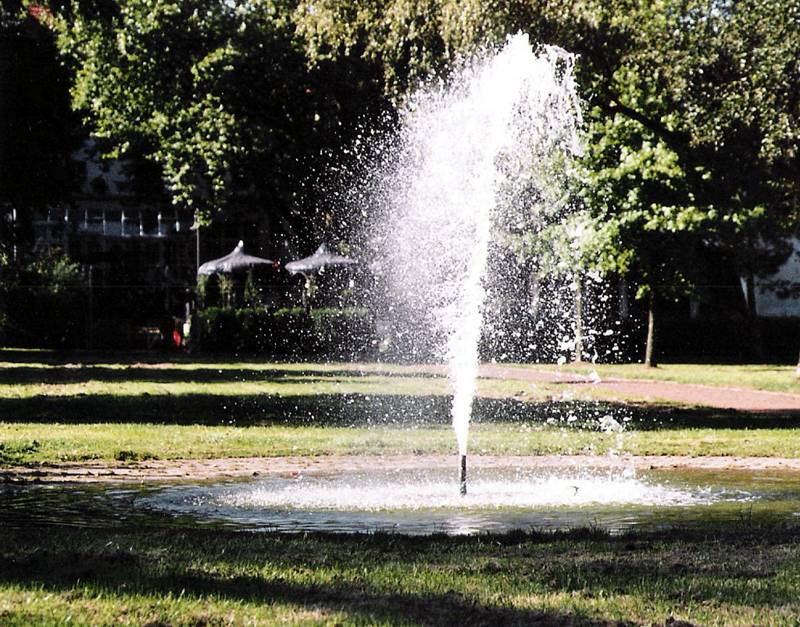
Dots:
pixel 427 501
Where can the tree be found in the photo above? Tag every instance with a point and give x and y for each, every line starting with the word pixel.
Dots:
pixel 218 94
pixel 690 103
pixel 743 88
pixel 690 107
pixel 37 127
pixel 716 84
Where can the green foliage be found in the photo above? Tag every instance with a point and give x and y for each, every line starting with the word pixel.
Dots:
pixel 226 289
pixel 680 153
pixel 402 36
pixel 690 105
pixel 413 40
pixel 690 143
pixel 44 302
pixel 250 295
pixel 56 273
pixel 292 331
pixel 218 94
pixel 37 127
pixel 202 289
pixel 169 75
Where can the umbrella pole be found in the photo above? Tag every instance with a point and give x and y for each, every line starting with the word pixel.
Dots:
pixel 306 294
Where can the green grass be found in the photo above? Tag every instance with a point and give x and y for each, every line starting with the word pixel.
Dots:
pixel 52 410
pixel 63 380
pixel 34 443
pixel 757 377
pixel 55 408
pixel 55 575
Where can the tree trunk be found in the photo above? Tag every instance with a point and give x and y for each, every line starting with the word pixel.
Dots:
pixel 624 302
pixel 650 359
pixel 578 321
pixel 756 337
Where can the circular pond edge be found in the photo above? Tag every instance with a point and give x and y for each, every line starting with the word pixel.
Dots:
pixel 208 469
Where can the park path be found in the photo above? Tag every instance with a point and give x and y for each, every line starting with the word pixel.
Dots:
pixel 741 399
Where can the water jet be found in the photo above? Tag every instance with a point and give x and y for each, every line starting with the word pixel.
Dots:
pixel 462 476
pixel 474 157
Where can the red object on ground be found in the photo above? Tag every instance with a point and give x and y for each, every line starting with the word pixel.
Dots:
pixel 176 337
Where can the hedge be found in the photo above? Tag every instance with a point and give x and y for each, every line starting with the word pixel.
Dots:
pixel 340 333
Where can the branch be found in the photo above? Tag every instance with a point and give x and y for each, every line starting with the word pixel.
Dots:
pixel 678 141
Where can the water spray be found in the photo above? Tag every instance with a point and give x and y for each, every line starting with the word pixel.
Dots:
pixel 468 150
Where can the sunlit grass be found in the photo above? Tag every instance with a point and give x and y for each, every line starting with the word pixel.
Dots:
pixel 758 377
pixel 731 577
pixel 60 410
pixel 25 443
pixel 56 411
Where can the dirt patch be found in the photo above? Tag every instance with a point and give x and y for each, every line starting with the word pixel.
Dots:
pixel 204 469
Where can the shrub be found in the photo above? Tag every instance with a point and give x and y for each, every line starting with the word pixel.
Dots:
pixel 44 303
pixel 339 333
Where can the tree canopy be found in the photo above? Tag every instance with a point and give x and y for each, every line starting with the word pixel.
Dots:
pixel 691 107
pixel 691 110
pixel 37 126
pixel 218 93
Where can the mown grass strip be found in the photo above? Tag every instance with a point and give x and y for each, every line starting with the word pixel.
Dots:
pixel 33 443
pixel 732 577
pixel 769 377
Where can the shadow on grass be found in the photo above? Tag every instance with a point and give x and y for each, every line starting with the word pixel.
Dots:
pixel 368 410
pixel 128 573
pixel 56 357
pixel 33 375
pixel 673 568
pixel 260 409
pixel 362 410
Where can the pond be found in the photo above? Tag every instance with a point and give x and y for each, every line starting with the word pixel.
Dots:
pixel 421 502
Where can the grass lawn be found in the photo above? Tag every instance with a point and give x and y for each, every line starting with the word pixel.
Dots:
pixel 56 408
pixel 32 443
pixel 768 377
pixel 56 575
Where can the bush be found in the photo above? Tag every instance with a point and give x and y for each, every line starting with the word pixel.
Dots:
pixel 339 333
pixel 44 303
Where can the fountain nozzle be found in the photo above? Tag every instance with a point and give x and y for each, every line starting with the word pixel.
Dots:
pixel 462 476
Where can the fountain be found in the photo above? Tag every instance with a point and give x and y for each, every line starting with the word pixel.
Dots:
pixel 481 154
pixel 469 148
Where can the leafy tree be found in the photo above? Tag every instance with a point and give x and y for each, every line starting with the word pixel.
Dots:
pixel 217 93
pixel 690 103
pixel 37 128
pixel 691 107
pixel 45 301
pixel 742 87
pixel 695 79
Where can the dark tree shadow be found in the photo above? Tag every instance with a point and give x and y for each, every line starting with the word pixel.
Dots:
pixel 122 573
pixel 363 410
pixel 588 562
pixel 31 375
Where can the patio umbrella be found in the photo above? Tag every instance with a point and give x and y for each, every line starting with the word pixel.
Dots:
pixel 321 259
pixel 236 261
